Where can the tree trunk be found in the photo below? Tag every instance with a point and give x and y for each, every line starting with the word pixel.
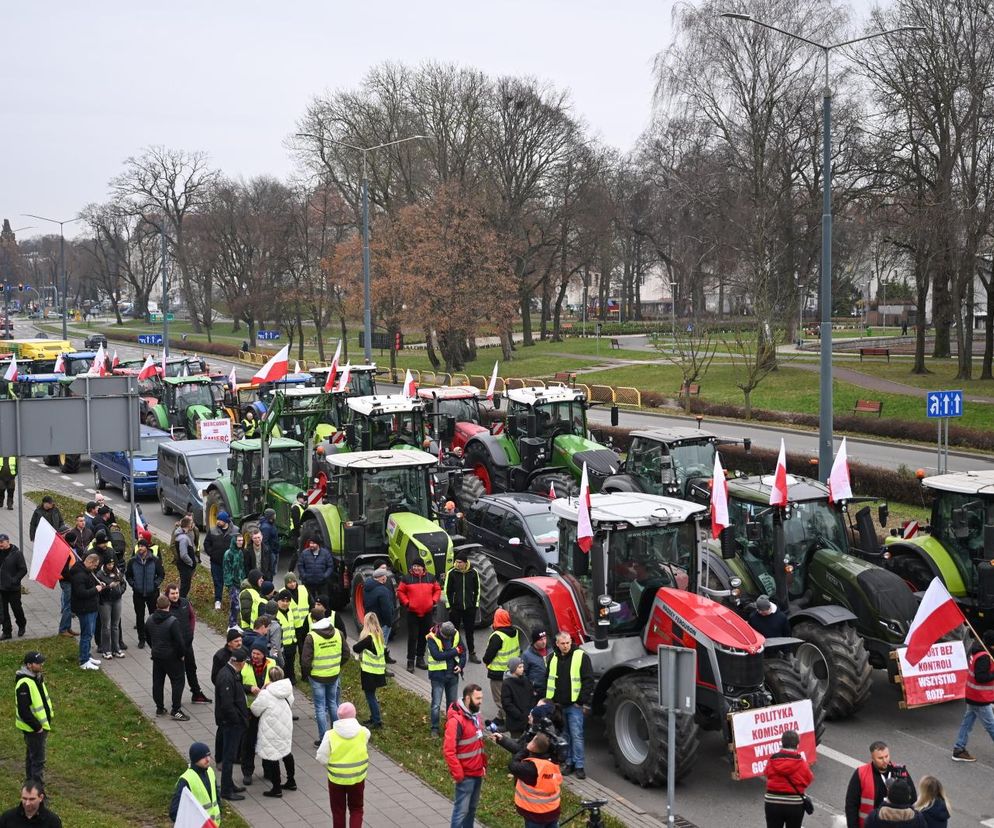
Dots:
pixel 558 312
pixel 748 403
pixel 506 344
pixel 319 333
pixel 985 368
pixel 526 318
pixel 299 321
pixel 430 350
pixel 942 315
pixel 345 336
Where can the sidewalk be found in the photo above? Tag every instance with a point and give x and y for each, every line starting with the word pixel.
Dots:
pixel 393 797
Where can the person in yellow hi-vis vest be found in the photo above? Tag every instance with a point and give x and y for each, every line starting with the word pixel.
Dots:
pixel 33 713
pixel 344 752
pixel 372 651
pixel 8 479
pixel 201 779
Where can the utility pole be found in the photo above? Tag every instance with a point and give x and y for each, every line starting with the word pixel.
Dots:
pixel 62 266
pixel 164 306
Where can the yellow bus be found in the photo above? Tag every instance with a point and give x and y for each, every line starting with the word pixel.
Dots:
pixel 44 350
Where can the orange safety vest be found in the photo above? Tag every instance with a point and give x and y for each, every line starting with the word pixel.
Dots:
pixel 543 796
pixel 975 692
pixel 867 792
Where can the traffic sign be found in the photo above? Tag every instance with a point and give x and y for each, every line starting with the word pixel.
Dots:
pixel 267 335
pixel 943 404
pixel 149 339
pixel 157 317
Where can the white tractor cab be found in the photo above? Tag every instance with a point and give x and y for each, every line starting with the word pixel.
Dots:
pixel 362 378
pixel 385 421
pixel 642 586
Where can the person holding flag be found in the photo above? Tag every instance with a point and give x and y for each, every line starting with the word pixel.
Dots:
pixel 199 783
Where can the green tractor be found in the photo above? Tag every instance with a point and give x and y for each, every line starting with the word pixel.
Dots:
pixel 387 421
pixel 378 509
pixel 543 445
pixel 850 613
pixel 957 547
pixel 182 403
pixel 306 413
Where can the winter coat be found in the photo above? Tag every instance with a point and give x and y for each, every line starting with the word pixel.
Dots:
pixel 114 585
pixel 186 619
pixel 16 818
pixel 517 696
pixel 274 707
pixel 562 694
pixel 887 817
pixel 84 596
pixel 145 575
pixel 53 516
pixel 316 568
pixel 347 729
pixel 419 595
pixel 368 681
pixel 462 589
pixel 936 815
pixel 270 536
pixel 12 569
pixel 787 774
pixel 440 649
pixel 251 556
pixel 493 647
pixel 774 625
pixel 185 549
pixel 118 543
pixel 234 566
pixel 460 725
pixel 325 629
pixel 216 543
pixel 982 673
pixel 379 598
pixel 22 694
pixel 165 640
pixel 535 669
pixel 230 707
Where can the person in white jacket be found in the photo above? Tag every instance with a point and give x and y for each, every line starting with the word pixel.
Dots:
pixel 344 752
pixel 274 708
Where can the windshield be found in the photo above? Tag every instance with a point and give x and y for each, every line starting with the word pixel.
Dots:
pixel 75 366
pixel 692 460
pixel 206 466
pixel 362 383
pixel 463 411
pixel 40 389
pixel 287 466
pixel 958 521
pixel 194 393
pixel 149 447
pixel 191 366
pixel 552 419
pixel 381 431
pixel 544 527
pixel 393 490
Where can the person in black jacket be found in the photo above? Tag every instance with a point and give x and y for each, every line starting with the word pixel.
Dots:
pixel 223 656
pixel 12 572
pixel 145 575
pixel 182 610
pixel 462 597
pixel 84 603
pixel 216 543
pixel 165 640
pixel 379 597
pixel 574 704
pixel 517 698
pixel 33 811
pixel 231 715
pixel 883 773
pixel 34 723
pixel 768 620
pixel 46 510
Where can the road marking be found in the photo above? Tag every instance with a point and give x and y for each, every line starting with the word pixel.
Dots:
pixel 77 483
pixel 841 758
pixel 34 459
pixel 53 471
pixel 66 477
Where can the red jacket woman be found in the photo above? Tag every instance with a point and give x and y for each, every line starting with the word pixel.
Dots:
pixel 787 777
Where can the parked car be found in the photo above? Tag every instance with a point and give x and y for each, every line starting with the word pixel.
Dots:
pixel 519 531
pixel 94 341
pixel 111 468
pixel 186 469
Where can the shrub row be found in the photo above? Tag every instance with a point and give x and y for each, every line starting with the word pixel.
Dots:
pixel 195 345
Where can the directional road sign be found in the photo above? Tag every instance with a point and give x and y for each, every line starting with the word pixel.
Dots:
pixel 943 404
pixel 157 317
pixel 149 339
pixel 267 335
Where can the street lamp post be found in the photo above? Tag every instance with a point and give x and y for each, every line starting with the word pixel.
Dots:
pixel 62 266
pixel 825 403
pixel 367 316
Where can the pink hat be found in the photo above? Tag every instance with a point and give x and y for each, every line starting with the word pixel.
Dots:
pixel 346 710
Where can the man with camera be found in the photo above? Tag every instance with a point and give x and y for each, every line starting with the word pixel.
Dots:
pixel 869 783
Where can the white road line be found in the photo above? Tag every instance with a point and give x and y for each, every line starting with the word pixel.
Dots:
pixel 53 471
pixel 34 459
pixel 66 477
pixel 841 758
pixel 77 483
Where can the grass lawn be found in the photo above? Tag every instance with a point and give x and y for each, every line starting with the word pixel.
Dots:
pixel 942 373
pixel 107 766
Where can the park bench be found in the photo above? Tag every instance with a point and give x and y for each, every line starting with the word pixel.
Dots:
pixel 868 407
pixel 692 390
pixel 566 377
pixel 615 344
pixel 880 352
pixel 566 329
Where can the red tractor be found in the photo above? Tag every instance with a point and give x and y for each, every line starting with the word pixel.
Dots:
pixel 641 586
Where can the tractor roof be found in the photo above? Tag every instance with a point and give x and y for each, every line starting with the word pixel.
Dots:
pixel 634 508
pixel 971 482
pixel 756 488
pixel 374 460
pixel 79 355
pixel 196 378
pixel 675 435
pixel 536 395
pixel 355 369
pixel 302 391
pixel 41 378
pixel 275 444
pixel 384 404
pixel 449 392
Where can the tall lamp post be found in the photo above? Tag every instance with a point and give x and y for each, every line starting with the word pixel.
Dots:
pixel 367 317
pixel 62 266
pixel 825 403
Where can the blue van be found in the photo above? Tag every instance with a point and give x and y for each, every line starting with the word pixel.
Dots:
pixel 110 468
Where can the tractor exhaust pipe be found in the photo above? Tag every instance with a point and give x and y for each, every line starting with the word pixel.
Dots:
pixel 599 579
pixel 779 556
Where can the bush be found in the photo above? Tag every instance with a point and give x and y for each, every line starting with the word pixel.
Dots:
pixel 198 346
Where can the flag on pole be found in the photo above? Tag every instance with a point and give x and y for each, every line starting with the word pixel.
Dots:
pixel 346 374
pixel 140 525
pixel 492 385
pixel 275 369
pixel 99 363
pixel 49 554
pixel 839 482
pixel 552 490
pixel 778 491
pixel 329 383
pixel 584 530
pixel 115 362
pixel 11 373
pixel 60 366
pixel 719 499
pixel 937 615
pixel 232 378
pixel 409 390
pixel 296 367
pixel 186 369
pixel 148 370
pixel 191 814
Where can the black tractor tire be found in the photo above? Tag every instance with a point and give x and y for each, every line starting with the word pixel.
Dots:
pixel 359 576
pixel 489 586
pixel 51 459
pixel 564 484
pixel 787 682
pixel 528 614
pixel 467 489
pixel 476 455
pixel 151 420
pixel 69 463
pixel 915 572
pixel 213 505
pixel 849 674
pixel 638 731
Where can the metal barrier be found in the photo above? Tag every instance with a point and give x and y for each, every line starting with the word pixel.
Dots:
pixel 601 393
pixel 579 386
pixel 626 395
pixel 460 379
pixel 535 382
pixel 513 382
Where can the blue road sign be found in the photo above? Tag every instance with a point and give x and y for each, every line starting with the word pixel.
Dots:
pixel 267 335
pixel 943 404
pixel 149 339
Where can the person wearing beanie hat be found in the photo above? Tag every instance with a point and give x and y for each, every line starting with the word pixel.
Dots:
pixel 462 597
pixel 344 753
pixel 446 662
pixel 503 645
pixel 216 543
pixel 534 658
pixel 270 544
pixel 288 634
pixel 233 642
pixel 202 782
pixel 233 573
pixel 517 697
pixel 379 597
pixel 897 810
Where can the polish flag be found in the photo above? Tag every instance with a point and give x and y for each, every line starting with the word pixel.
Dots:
pixel 99 363
pixel 492 386
pixel 139 524
pixel 275 369
pixel 778 491
pixel 191 814
pixel 910 529
pixel 329 383
pixel 346 375
pixel 584 531
pixel 232 378
pixel 296 367
pixel 148 370
pixel 316 495
pixel 410 392
pixel 552 490
pixel 937 615
pixel 49 554
pixel 60 366
pixel 11 373
pixel 839 483
pixel 115 362
pixel 719 500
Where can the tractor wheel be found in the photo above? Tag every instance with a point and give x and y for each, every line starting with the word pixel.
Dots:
pixel 359 576
pixel 213 506
pixel 489 586
pixel 467 489
pixel 98 481
pixel 69 463
pixel 164 505
pixel 151 420
pixel 638 731
pixel 837 658
pixel 527 614
pixel 478 462
pixel 51 459
pixel 788 681
pixel 913 570
pixel 563 483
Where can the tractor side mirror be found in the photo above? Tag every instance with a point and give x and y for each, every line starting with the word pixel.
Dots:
pixel 232 462
pixel 614 415
pixel 446 428
pixel 961 524
pixel 754 531
pixel 747 444
pixel 883 512
pixel 727 543
pixel 497 402
pixel 989 538
pixel 354 505
pixel 514 542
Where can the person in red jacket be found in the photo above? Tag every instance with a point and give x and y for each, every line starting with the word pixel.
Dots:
pixel 788 775
pixel 419 593
pixel 465 754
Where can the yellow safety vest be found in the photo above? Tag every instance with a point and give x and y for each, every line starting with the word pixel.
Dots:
pixel 576 659
pixel 327 661
pixel 286 624
pixel 299 609
pixel 248 678
pixel 37 705
pixel 510 647
pixel 375 661
pixel 257 603
pixel 248 428
pixel 207 798
pixel 348 759
pixel 433 664
pixel 11 463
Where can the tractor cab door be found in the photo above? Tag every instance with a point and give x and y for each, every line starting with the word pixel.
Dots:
pixel 753 537
pixel 248 481
pixel 645 462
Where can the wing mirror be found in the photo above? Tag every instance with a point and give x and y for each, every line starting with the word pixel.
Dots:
pixel 232 463
pixel 514 542
pixel 883 512
pixel 754 531
pixel 614 415
pixel 727 544
pixel 497 402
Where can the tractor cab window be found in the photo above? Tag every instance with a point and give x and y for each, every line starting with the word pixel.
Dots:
pixel 958 521
pixel 692 460
pixel 463 411
pixel 645 461
pixel 561 418
pixel 287 466
pixel 381 431
pixel 193 393
pixel 757 555
pixel 38 390
pixel 362 384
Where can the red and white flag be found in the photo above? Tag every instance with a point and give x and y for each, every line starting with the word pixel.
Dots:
pixel 99 363
pixel 719 499
pixel 148 370
pixel 910 529
pixel 296 366
pixel 60 365
pixel 191 814
pixel 49 554
pixel 329 383
pixel 778 491
pixel 232 378
pixel 275 369
pixel 410 392
pixel 839 482
pixel 584 530
pixel 552 490
pixel 140 525
pixel 937 615
pixel 115 362
pixel 492 385
pixel 11 373
pixel 316 495
pixel 346 375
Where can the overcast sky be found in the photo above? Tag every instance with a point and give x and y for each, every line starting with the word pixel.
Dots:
pixel 85 85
